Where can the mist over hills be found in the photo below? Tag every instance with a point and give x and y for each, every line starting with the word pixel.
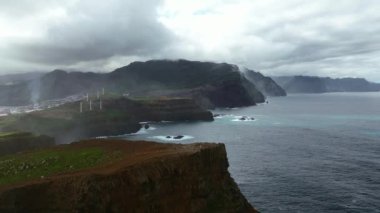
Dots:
pixel 209 84
pixel 313 84
pixel 265 84
pixel 10 79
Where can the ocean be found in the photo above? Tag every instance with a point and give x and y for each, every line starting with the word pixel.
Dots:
pixel 301 153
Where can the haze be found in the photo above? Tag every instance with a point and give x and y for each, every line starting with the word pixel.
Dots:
pixel 324 38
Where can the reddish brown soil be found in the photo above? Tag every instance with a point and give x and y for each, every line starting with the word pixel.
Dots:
pixel 149 177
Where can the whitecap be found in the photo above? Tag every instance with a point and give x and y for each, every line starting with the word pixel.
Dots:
pixel 246 118
pixel 142 131
pixel 238 120
pixel 164 138
pixel 102 137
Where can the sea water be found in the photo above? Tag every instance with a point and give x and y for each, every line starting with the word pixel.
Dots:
pixel 301 153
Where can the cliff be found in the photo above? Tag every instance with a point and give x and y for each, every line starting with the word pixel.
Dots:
pixel 145 177
pixel 118 116
pixel 312 84
pixel 14 142
pixel 264 84
pixel 209 84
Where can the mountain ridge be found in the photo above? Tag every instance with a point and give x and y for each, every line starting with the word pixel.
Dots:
pixel 210 84
pixel 314 84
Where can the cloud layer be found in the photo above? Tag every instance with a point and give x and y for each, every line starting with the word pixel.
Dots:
pixel 278 38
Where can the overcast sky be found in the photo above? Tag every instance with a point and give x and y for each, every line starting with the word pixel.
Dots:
pixel 322 37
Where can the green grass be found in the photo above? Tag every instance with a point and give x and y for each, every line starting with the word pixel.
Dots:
pixel 41 164
pixel 8 134
pixel 4 136
pixel 6 120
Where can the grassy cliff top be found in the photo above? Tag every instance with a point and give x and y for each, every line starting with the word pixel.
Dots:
pixel 41 164
pixel 96 155
pixel 8 134
pixel 16 135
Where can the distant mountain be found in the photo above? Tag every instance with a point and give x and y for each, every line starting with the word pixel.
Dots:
pixel 312 84
pixel 10 79
pixel 209 84
pixel 264 84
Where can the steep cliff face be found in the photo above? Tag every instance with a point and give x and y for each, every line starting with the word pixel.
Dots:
pixel 173 109
pixel 265 85
pixel 159 109
pixel 150 177
pixel 237 93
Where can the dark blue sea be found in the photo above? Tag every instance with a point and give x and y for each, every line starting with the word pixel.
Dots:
pixel 302 153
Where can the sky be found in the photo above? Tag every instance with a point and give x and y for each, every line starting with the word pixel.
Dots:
pixel 338 38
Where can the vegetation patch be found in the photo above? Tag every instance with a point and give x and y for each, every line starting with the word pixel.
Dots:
pixel 8 134
pixel 41 164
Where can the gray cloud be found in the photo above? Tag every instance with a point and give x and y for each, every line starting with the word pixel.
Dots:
pixel 25 8
pixel 98 30
pixel 278 38
pixel 335 40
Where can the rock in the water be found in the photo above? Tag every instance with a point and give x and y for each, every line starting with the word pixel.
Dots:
pixel 246 118
pixel 146 126
pixel 168 137
pixel 218 115
pixel 178 137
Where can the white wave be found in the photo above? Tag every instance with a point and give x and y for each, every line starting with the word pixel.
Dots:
pixel 154 122
pixel 102 137
pixel 238 120
pixel 142 131
pixel 218 116
pixel 247 119
pixel 164 138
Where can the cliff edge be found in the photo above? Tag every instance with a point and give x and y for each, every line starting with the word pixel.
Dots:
pixel 145 177
pixel 13 142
